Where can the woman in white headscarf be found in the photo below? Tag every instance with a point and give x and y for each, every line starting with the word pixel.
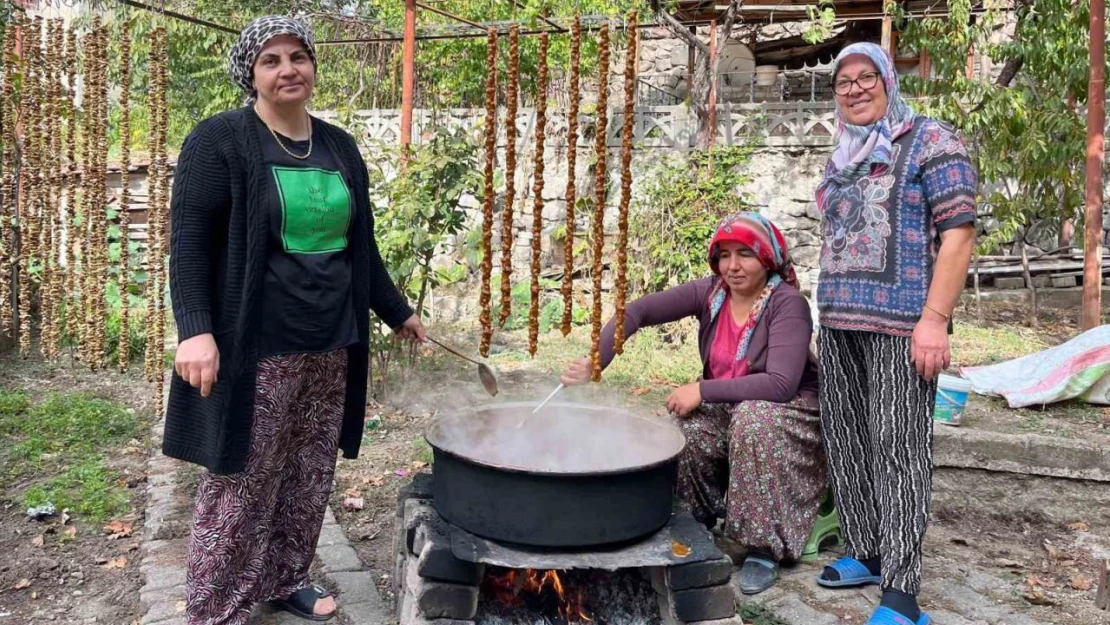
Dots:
pixel 898 213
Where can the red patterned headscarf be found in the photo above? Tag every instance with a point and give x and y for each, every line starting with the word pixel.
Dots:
pixel 757 233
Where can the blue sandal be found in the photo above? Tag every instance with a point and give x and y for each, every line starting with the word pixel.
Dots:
pixel 853 574
pixel 886 616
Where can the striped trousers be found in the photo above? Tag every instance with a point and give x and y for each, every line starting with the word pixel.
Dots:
pixel 255 532
pixel 877 420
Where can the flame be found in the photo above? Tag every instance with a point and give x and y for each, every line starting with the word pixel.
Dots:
pixel 514 586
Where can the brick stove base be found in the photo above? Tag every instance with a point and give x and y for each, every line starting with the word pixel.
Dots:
pixel 440 567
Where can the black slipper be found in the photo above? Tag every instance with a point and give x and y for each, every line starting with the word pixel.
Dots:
pixel 303 603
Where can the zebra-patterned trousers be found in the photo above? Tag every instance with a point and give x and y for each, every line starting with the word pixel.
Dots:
pixel 255 532
pixel 877 419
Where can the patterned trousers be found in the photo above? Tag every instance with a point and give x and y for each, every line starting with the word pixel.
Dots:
pixel 255 532
pixel 759 466
pixel 877 416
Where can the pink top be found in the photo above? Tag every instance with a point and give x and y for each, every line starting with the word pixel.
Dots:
pixel 723 364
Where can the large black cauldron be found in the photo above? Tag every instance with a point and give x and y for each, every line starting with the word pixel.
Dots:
pixel 572 476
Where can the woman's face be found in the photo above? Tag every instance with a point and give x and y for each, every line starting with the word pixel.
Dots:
pixel 741 269
pixel 858 105
pixel 283 72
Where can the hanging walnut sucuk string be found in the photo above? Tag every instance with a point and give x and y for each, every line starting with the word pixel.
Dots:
pixel 31 184
pixel 507 230
pixel 124 350
pixel 597 233
pixel 66 192
pixel 52 292
pixel 572 161
pixel 69 208
pixel 160 213
pixel 630 60
pixel 537 197
pixel 82 227
pixel 487 201
pixel 8 176
pixel 98 215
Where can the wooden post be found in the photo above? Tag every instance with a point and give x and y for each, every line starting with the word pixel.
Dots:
pixel 1096 119
pixel 1102 599
pixel 408 77
pixel 691 60
pixel 712 83
pixel 887 40
pixel 970 62
pixel 926 65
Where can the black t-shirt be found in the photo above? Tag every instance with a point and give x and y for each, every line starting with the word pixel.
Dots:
pixel 307 303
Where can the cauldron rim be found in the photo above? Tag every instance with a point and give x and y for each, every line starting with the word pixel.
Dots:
pixel 680 439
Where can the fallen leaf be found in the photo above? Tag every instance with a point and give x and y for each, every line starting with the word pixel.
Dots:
pixel 34 595
pixel 680 550
pixel 354 503
pixel 352 492
pixel 1080 582
pixel 118 529
pixel 1053 552
pixel 38 541
pixel 375 481
pixel 641 390
pixel 133 547
pixel 116 563
pixel 71 531
pixel 1008 564
pixel 1079 526
pixel 23 583
pixel 417 464
pixel 1037 597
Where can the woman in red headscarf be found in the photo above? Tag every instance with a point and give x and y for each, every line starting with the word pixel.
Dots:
pixel 754 457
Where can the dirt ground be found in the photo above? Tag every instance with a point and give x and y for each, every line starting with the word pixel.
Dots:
pixel 74 571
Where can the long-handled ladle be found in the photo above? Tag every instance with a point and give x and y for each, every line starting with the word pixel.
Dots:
pixel 489 381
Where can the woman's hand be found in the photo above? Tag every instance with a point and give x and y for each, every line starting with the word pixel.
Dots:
pixel 579 372
pixel 684 399
pixel 929 348
pixel 198 362
pixel 412 330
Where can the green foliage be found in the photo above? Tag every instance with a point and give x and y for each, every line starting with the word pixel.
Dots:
pixel 822 19
pixel 1028 138
pixel 551 306
pixel 672 222
pixel 419 208
pixel 418 211
pixel 63 442
pixel 87 489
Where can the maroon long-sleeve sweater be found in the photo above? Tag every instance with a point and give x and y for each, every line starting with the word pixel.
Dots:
pixel 782 366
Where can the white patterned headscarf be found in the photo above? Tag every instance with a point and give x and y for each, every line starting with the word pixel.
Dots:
pixel 860 147
pixel 240 62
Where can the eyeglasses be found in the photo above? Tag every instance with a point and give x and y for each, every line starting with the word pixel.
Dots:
pixel 863 81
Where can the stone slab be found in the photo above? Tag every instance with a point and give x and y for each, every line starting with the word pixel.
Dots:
pixel 1027 454
pixel 338 559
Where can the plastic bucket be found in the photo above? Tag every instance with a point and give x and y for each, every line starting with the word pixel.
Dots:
pixel 951 399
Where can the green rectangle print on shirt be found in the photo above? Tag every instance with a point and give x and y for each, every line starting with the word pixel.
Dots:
pixel 315 210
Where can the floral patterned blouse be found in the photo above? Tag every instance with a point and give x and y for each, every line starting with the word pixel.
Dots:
pixel 881 232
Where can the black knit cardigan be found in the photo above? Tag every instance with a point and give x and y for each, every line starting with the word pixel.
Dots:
pixel 219 229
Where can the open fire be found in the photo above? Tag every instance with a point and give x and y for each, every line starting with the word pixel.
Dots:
pixel 539 591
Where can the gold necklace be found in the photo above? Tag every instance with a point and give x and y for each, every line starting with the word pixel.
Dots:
pixel 282 145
